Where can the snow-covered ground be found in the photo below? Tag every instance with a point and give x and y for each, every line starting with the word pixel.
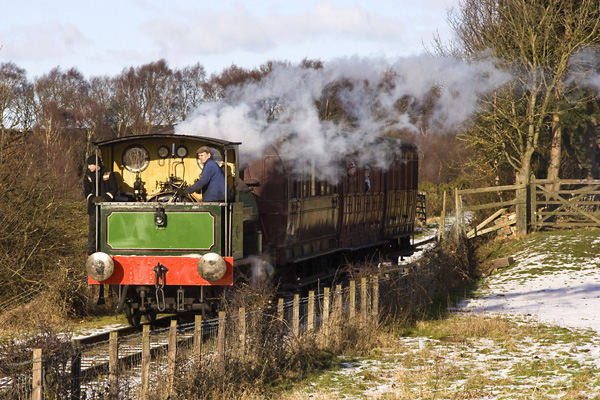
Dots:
pixel 555 280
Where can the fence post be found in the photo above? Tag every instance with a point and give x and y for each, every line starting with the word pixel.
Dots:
pixel 296 315
pixel 442 224
pixel 197 338
pixel 336 319
pixel 363 300
pixel 243 331
pixel 172 351
pixel 221 337
pixel 76 370
pixel 458 213
pixel 36 384
pixel 326 312
pixel 533 201
pixel 113 364
pixel 280 309
pixel 311 311
pixel 521 211
pixel 352 311
pixel 375 307
pixel 145 389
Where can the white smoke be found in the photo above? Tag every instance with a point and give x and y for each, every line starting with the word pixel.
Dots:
pixel 584 67
pixel 281 109
pixel 261 270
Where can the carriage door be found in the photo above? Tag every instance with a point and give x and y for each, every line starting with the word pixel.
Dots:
pixel 350 203
pixel 313 216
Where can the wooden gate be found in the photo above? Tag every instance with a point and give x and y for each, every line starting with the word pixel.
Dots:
pixel 565 203
pixel 568 203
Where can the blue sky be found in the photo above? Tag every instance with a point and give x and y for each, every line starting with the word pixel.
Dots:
pixel 103 37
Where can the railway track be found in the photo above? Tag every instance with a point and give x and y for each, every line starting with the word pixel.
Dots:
pixel 94 349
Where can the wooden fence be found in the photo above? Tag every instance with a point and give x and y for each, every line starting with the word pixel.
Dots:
pixel 152 365
pixel 541 204
pixel 421 207
pixel 511 197
pixel 136 365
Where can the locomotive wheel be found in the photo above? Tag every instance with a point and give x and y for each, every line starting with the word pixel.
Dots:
pixel 133 317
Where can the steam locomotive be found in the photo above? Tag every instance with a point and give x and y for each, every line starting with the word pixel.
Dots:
pixel 165 254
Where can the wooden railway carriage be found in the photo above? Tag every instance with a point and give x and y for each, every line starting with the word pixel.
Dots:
pixel 165 254
pixel 310 226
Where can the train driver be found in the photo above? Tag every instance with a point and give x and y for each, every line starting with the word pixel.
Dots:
pixel 106 190
pixel 212 180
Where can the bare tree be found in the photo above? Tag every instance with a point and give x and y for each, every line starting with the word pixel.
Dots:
pixel 13 91
pixel 95 113
pixel 188 91
pixel 152 86
pixel 123 108
pixel 533 39
pixel 59 105
pixel 143 97
pixel 215 88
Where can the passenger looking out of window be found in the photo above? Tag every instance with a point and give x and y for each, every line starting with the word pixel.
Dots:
pixel 351 169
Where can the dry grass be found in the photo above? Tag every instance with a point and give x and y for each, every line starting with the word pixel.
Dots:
pixel 466 357
pixel 21 318
pixel 64 300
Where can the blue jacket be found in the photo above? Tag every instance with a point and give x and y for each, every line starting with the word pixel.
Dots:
pixel 211 182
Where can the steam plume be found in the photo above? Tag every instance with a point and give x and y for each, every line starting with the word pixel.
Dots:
pixel 583 69
pixel 378 97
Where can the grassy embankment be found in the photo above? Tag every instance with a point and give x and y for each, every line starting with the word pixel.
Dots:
pixel 466 355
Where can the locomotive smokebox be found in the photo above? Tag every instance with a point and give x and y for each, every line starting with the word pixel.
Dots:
pixel 212 267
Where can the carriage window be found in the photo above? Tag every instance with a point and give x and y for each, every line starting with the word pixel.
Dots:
pixel 309 186
pixel 367 178
pixel 324 188
pixel 305 188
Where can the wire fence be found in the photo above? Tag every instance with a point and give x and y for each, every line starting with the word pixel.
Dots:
pixel 145 364
pixel 20 299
